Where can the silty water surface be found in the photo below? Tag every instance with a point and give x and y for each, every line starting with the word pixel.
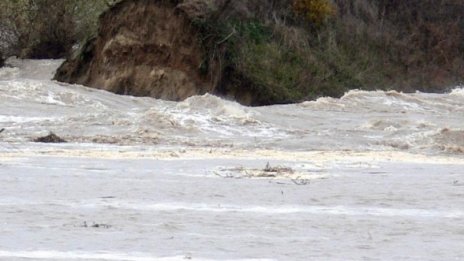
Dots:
pixel 375 175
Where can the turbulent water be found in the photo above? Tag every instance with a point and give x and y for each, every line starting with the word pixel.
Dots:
pixel 372 175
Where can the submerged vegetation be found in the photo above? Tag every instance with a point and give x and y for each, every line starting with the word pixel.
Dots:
pixel 278 51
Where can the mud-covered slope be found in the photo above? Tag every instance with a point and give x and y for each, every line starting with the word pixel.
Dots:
pixel 143 48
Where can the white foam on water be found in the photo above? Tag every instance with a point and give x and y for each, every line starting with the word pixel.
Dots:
pixel 47 255
pixel 19 119
pixel 33 69
pixel 215 106
pixel 9 73
pixel 458 92
pixel 266 210
pixel 212 114
pixel 318 210
pixel 102 255
pixel 216 110
pixel 52 99
pixel 324 103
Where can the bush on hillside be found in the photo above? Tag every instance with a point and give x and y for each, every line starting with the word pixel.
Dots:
pixel 315 11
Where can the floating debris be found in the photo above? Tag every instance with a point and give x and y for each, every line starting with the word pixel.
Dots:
pixel 50 138
pixel 95 225
pixel 297 176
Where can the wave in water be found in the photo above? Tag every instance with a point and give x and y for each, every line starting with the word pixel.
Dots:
pixel 101 255
pixel 265 210
pixel 32 105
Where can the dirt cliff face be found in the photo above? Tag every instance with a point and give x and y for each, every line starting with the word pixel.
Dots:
pixel 144 48
pixel 154 48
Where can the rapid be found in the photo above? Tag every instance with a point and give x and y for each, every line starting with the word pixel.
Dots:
pixel 373 175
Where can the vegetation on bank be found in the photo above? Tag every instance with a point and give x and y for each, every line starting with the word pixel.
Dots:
pixel 316 48
pixel 47 28
pixel 281 51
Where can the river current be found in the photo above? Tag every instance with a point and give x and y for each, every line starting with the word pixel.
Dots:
pixel 373 175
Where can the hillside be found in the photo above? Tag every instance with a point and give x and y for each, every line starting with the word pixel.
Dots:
pixel 271 51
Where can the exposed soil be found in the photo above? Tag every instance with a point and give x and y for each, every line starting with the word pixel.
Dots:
pixel 144 48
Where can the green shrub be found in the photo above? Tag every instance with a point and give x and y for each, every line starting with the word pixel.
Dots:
pixel 275 71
